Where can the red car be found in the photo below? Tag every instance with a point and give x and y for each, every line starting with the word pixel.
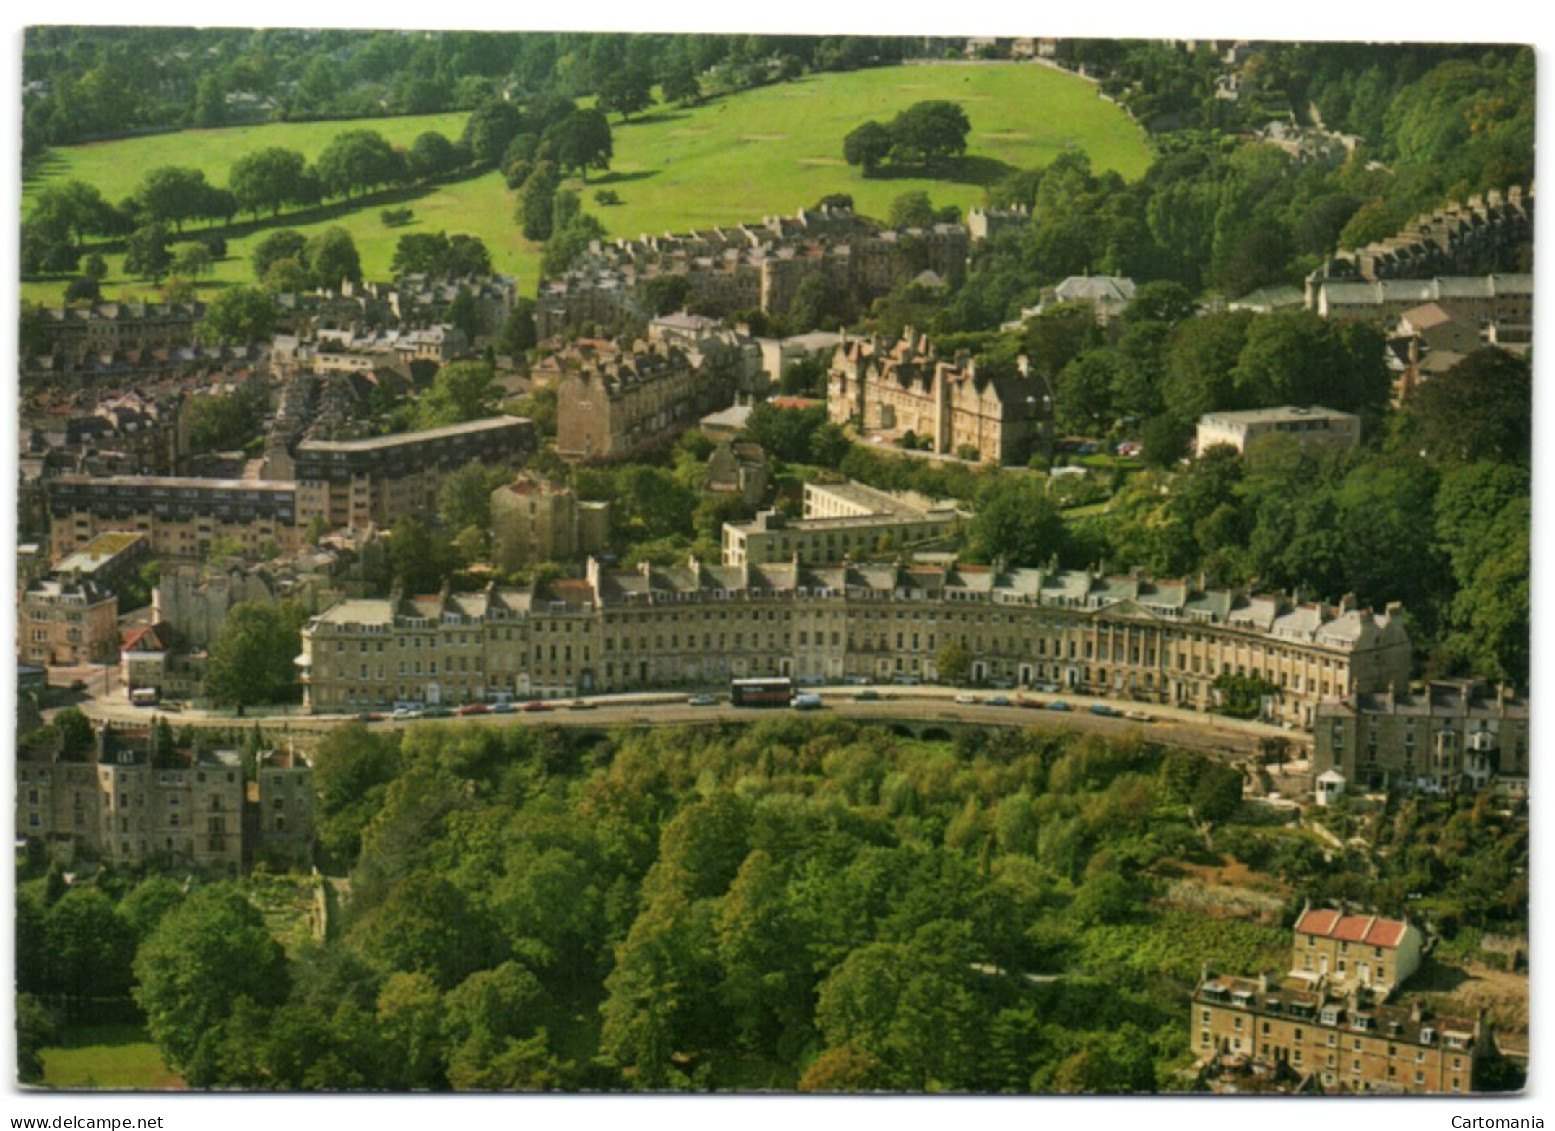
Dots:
pixel 536 705
pixel 473 709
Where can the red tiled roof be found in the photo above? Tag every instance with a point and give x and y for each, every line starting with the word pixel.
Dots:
pixel 1319 922
pixel 1369 929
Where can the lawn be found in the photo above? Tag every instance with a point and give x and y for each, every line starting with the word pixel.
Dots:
pixel 106 1056
pixel 739 158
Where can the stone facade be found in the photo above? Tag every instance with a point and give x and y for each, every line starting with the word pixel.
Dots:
pixel 1316 426
pixel 1125 637
pixel 890 389
pixel 122 809
pixel 180 516
pixel 1445 738
pixel 840 520
pixel 613 400
pixel 65 621
pixel 1336 1022
pixel 74 333
pixel 1489 232
pixel 1478 300
pixel 746 267
pixel 536 520
pixel 371 482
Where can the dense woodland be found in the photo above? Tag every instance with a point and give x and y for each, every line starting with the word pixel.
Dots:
pixel 798 903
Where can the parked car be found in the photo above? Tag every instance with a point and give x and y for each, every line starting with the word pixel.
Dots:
pixel 1139 716
pixel 966 698
pixel 537 705
pixel 369 717
pixel 1030 704
pixel 1058 705
pixel 503 709
pixel 401 714
pixel 806 701
pixel 1105 711
pixel 438 713
pixel 474 709
pixel 868 695
pixel 999 701
pixel 702 701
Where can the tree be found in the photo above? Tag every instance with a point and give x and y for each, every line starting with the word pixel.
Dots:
pixel 490 128
pixel 464 499
pixel 535 202
pixel 1016 522
pixel 214 421
pixel 239 316
pixel 172 195
pixel 204 956
pixel 461 391
pixel 912 210
pixel 284 244
pixel 357 161
pixel 433 155
pixel 252 658
pixel 626 92
pixel 192 260
pixel 146 254
pixel 1161 300
pixel 680 86
pixel 35 1029
pixel 420 560
pixel 1480 409
pixel 334 259
pixel 567 244
pixel 953 662
pixel 75 732
pixel 665 294
pixel 867 146
pixel 581 141
pixel 929 132
pixel 270 179
pixel 426 925
pixel 90 946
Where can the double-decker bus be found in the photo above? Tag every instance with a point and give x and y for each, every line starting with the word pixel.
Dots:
pixel 761 692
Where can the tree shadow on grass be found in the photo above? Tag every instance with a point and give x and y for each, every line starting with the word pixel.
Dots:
pixel 667 114
pixel 614 178
pixel 968 170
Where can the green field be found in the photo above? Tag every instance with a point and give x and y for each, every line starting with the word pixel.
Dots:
pixel 734 159
pixel 106 1056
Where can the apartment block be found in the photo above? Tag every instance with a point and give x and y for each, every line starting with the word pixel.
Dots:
pixel 63 620
pixel 132 805
pixel 1314 426
pixel 1446 737
pixel 1336 1022
pixel 371 482
pixel 179 515
pixel 841 520
pixel 614 399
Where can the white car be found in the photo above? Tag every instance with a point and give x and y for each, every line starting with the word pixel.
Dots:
pixel 966 698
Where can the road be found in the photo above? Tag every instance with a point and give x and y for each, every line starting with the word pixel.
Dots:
pixel 917 706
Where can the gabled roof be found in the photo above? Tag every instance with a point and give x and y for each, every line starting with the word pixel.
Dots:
pixel 1370 930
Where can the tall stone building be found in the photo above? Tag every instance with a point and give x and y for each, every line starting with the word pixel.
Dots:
pixel 892 389
pixel 614 399
pixel 534 519
pixel 1337 1022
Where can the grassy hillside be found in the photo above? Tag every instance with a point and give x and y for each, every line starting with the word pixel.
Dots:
pixel 739 158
